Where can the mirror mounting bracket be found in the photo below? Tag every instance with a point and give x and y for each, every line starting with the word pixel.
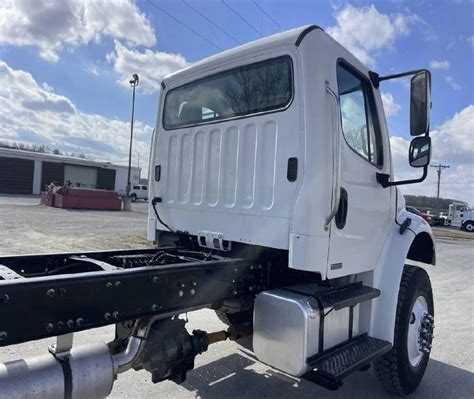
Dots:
pixel 383 179
pixel 375 79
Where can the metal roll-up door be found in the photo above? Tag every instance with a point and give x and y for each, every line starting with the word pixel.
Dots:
pixel 84 176
pixel 16 175
pixel 106 179
pixel 52 172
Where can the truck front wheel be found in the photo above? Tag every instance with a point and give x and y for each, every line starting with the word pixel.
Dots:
pixel 401 370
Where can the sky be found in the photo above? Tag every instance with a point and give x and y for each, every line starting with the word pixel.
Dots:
pixel 65 67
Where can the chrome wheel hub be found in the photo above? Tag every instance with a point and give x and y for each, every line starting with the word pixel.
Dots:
pixel 420 331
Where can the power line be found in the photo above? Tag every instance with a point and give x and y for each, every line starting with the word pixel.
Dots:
pixel 216 36
pixel 184 24
pixel 211 22
pixel 267 14
pixel 242 18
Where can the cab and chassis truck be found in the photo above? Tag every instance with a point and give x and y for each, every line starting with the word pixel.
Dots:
pixel 273 202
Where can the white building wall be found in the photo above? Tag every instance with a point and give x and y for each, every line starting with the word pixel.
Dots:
pixel 39 158
pixel 121 175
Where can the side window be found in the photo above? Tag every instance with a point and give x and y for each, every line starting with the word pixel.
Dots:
pixel 136 187
pixel 357 115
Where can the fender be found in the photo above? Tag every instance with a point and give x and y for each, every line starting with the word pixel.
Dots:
pixel 417 244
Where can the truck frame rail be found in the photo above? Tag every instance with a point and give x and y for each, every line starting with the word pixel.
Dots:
pixel 48 295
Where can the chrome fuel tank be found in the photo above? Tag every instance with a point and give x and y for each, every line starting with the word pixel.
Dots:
pixel 287 325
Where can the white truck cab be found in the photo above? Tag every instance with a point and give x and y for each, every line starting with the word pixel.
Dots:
pixel 461 215
pixel 282 143
pixel 262 144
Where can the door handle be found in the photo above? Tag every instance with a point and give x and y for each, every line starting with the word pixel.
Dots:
pixel 341 215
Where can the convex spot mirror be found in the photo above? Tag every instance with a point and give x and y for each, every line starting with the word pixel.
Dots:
pixel 420 152
pixel 420 103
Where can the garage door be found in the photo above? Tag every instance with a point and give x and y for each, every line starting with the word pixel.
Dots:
pixel 16 175
pixel 106 179
pixel 86 177
pixel 52 172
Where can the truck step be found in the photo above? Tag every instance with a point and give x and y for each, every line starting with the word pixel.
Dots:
pixel 332 366
pixel 349 295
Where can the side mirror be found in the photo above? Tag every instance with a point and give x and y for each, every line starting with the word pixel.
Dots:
pixel 420 103
pixel 419 154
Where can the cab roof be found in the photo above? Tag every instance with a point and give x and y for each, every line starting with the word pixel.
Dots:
pixel 290 37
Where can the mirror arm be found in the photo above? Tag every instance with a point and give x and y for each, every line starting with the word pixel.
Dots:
pixel 383 179
pixel 375 78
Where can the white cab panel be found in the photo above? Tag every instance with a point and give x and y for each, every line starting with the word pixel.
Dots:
pixel 216 167
pixel 230 177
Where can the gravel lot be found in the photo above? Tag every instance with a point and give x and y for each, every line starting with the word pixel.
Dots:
pixel 28 227
pixel 228 370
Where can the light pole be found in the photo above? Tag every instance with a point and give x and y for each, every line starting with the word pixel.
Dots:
pixel 139 170
pixel 134 83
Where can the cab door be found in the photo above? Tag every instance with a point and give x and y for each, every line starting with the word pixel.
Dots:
pixel 361 226
pixel 458 218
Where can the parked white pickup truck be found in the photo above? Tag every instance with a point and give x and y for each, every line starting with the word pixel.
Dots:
pixel 139 192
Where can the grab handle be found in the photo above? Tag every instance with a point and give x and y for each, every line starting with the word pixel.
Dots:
pixel 336 140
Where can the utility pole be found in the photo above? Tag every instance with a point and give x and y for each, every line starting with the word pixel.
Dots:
pixel 438 168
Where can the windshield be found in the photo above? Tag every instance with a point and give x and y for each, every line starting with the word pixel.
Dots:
pixel 259 87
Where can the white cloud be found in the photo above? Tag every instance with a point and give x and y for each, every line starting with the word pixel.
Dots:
pixel 30 112
pixel 453 145
pixel 452 82
pixel 365 31
pixel 434 64
pixel 94 70
pixel 49 55
pixel 470 40
pixel 52 25
pixel 151 66
pixel 390 106
pixel 452 140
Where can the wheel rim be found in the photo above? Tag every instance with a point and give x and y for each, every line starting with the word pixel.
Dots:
pixel 420 331
pixel 469 227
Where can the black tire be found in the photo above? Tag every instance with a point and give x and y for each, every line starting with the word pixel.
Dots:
pixel 134 197
pixel 469 226
pixel 394 369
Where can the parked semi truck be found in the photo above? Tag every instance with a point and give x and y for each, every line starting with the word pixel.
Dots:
pixel 273 202
pixel 461 215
